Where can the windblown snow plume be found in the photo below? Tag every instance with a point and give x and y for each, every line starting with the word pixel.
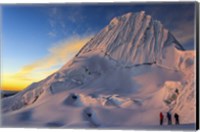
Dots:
pixel 127 74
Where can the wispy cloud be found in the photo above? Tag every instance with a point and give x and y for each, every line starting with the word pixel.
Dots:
pixel 56 21
pixel 59 54
pixel 76 16
pixel 52 34
pixel 65 21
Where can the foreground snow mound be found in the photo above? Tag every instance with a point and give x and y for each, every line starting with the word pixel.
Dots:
pixel 123 77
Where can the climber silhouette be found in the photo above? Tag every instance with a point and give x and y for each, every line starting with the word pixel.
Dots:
pixel 176 116
pixel 169 118
pixel 74 97
pixel 161 118
pixel 177 92
pixel 51 89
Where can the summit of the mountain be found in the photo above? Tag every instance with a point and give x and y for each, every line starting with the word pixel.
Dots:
pixel 133 38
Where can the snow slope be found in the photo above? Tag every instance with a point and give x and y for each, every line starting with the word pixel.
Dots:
pixel 123 77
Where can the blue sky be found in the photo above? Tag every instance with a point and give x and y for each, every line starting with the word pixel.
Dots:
pixel 32 32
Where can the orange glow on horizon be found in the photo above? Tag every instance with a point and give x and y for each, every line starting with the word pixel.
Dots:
pixel 12 88
pixel 13 83
pixel 40 69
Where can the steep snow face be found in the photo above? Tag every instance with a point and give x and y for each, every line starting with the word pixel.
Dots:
pixel 133 39
pixel 186 101
pixel 123 77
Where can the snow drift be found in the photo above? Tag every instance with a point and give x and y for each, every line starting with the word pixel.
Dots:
pixel 123 77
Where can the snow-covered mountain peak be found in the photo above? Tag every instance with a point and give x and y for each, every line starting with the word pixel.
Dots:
pixel 126 17
pixel 131 69
pixel 133 38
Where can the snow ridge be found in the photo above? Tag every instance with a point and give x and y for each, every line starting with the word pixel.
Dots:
pixel 132 39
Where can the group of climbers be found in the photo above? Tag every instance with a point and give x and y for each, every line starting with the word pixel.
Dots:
pixel 169 118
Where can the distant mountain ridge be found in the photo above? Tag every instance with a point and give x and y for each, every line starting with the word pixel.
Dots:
pixel 5 93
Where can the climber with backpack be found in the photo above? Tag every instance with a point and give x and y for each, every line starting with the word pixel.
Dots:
pixel 161 118
pixel 176 116
pixel 169 118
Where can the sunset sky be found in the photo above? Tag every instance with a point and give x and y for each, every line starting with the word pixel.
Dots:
pixel 38 39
